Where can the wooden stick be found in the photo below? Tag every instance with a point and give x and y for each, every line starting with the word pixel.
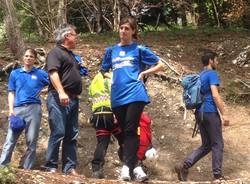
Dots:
pixel 244 83
pixel 169 66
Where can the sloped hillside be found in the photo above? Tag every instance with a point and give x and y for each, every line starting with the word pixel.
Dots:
pixel 172 135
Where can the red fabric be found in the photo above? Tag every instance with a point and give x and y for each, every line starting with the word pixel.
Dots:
pixel 103 133
pixel 145 135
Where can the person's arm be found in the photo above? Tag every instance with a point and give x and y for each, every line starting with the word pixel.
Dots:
pixel 219 103
pixel 158 67
pixel 11 98
pixel 55 80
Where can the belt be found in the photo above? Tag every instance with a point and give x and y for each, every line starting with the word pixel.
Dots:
pixel 25 105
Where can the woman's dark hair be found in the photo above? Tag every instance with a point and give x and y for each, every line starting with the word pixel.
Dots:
pixel 133 24
pixel 32 51
pixel 208 54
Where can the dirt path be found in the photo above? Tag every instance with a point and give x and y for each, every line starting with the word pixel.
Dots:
pixel 172 138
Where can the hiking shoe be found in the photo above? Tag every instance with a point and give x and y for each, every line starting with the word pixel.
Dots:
pixel 182 173
pixel 72 172
pixel 219 179
pixel 52 170
pixel 49 169
pixel 125 173
pixel 98 174
pixel 139 174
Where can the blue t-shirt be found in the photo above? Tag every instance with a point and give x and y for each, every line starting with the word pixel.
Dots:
pixel 126 66
pixel 208 78
pixel 27 85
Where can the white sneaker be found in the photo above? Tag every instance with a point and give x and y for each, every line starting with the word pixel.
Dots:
pixel 125 173
pixel 139 174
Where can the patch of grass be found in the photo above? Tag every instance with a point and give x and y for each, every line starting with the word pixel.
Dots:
pixel 191 31
pixel 34 38
pixel 7 175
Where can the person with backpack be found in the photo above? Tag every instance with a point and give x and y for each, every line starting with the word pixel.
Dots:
pixel 209 116
pixel 25 112
pixel 128 92
pixel 103 121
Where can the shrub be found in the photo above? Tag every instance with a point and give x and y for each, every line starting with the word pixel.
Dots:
pixel 7 175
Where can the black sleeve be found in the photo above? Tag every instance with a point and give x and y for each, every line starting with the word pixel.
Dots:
pixel 53 60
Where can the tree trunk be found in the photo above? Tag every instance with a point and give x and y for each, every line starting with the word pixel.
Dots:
pixel 51 20
pixel 117 14
pixel 62 13
pixel 216 14
pixel 15 40
pixel 99 16
pixel 38 24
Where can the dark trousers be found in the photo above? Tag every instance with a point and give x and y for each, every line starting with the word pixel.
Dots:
pixel 105 127
pixel 212 140
pixel 128 117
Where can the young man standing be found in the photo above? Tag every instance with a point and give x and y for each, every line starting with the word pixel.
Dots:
pixel 25 85
pixel 209 117
pixel 63 102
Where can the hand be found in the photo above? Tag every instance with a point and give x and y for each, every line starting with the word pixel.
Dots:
pixel 225 120
pixel 11 113
pixel 107 75
pixel 141 76
pixel 64 99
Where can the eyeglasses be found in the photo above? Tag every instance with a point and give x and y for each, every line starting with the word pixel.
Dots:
pixel 73 34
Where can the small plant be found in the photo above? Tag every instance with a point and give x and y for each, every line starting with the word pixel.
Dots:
pixel 7 175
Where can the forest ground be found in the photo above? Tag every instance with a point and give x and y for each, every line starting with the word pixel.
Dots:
pixel 172 136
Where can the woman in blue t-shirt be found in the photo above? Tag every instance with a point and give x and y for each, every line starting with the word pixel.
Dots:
pixel 128 93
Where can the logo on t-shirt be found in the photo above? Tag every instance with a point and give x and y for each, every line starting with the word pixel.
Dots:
pixel 34 77
pixel 122 53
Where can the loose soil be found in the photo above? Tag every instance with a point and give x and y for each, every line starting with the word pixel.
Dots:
pixel 172 135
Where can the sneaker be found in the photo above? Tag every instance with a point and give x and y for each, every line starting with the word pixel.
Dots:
pixel 125 173
pixel 49 169
pixel 182 173
pixel 72 172
pixel 98 174
pixel 219 179
pixel 139 174
pixel 52 170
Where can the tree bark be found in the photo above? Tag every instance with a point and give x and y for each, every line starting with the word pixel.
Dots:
pixel 216 14
pixel 99 16
pixel 117 14
pixel 62 13
pixel 15 40
pixel 36 15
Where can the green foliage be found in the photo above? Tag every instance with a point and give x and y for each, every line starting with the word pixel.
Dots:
pixel 7 175
pixel 1 15
pixel 3 39
pixel 108 38
pixel 34 38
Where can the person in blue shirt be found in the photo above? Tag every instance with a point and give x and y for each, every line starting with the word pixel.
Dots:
pixel 25 85
pixel 128 92
pixel 209 117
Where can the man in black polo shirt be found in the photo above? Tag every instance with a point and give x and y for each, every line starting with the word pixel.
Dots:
pixel 62 102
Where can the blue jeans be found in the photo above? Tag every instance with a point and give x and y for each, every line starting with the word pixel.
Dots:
pixel 63 122
pixel 32 116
